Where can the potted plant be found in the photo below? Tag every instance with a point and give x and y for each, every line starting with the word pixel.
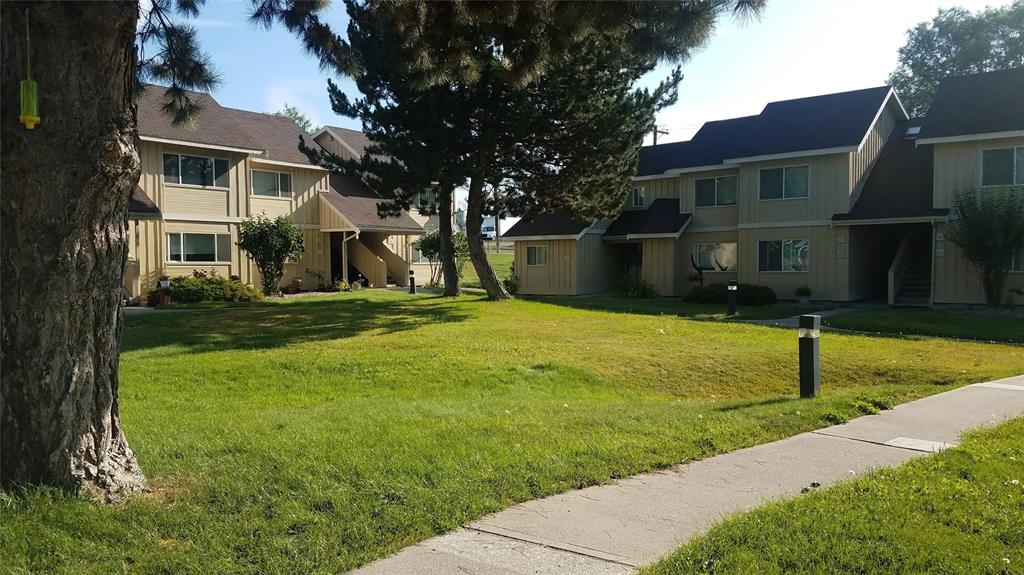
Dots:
pixel 803 294
pixel 165 282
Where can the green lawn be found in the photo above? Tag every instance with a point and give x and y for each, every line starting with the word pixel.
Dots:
pixel 317 434
pixel 502 264
pixel 958 512
pixel 929 322
pixel 677 307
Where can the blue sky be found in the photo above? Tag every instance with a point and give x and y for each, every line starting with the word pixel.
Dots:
pixel 798 48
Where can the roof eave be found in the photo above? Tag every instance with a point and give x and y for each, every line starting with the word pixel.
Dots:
pixel 200 145
pixel 970 137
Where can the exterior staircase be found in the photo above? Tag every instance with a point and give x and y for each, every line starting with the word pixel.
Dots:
pixel 913 285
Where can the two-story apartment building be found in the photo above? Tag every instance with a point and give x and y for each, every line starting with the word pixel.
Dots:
pixel 199 182
pixel 839 192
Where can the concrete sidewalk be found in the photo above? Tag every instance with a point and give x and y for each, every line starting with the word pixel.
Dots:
pixel 612 529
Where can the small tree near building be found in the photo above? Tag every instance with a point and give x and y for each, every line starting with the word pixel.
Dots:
pixel 989 229
pixel 430 246
pixel 270 243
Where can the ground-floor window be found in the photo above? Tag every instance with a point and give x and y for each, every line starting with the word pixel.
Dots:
pixel 717 257
pixel 189 247
pixel 1017 264
pixel 782 255
pixel 536 255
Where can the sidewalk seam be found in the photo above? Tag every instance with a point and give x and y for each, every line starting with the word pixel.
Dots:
pixel 878 443
pixel 552 546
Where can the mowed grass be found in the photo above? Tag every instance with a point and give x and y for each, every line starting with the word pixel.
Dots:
pixel 502 264
pixel 958 512
pixel 313 435
pixel 990 326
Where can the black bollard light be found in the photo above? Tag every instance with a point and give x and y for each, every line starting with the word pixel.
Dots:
pixel 810 362
pixel 733 288
pixel 412 281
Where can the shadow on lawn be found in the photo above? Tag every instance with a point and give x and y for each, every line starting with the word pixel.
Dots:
pixel 676 307
pixel 264 325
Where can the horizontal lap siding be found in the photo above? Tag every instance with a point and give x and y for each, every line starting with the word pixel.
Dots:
pixel 556 278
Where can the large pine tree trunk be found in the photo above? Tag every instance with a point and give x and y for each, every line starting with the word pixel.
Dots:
pixel 66 186
pixel 448 267
pixel 474 222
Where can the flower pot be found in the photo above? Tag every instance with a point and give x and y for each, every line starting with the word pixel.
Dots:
pixel 165 284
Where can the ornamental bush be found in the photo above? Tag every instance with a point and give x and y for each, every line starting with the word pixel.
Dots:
pixel 198 288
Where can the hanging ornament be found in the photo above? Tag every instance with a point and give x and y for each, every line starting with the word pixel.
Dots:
pixel 29 88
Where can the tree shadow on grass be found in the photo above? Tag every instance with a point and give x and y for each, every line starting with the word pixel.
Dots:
pixel 676 307
pixel 266 325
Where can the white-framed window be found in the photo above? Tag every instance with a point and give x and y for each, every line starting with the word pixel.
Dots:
pixel 272 184
pixel 191 247
pixel 195 170
pixel 638 199
pixel 1002 167
pixel 783 255
pixel 784 183
pixel 717 257
pixel 536 255
pixel 720 191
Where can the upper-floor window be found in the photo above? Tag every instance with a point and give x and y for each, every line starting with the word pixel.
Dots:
pixel 536 255
pixel 1002 167
pixel 720 191
pixel 639 200
pixel 717 257
pixel 273 184
pixel 786 183
pixel 195 170
pixel 782 255
pixel 183 247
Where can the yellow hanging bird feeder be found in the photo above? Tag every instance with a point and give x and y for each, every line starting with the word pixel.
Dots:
pixel 29 89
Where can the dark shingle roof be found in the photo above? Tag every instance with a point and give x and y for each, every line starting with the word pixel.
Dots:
pixel 900 183
pixel 278 136
pixel 212 126
pixel 141 206
pixel 661 217
pixel 804 124
pixel 977 104
pixel 350 196
pixel 557 223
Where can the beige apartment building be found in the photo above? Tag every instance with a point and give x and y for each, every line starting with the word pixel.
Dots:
pixel 198 183
pixel 843 193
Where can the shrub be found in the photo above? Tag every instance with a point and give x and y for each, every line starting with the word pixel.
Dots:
pixel 511 283
pixel 746 294
pixel 803 291
pixel 636 288
pixel 270 243
pixel 207 287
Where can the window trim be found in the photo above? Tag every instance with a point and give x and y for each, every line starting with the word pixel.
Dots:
pixel 633 196
pixel 783 168
pixel 736 264
pixel 181 249
pixel 1018 179
pixel 180 184
pixel 716 178
pixel 782 258
pixel 252 184
pixel 547 256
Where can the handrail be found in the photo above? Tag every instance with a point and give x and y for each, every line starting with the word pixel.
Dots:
pixel 897 270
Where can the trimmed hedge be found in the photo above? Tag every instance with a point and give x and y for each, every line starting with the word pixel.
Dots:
pixel 193 289
pixel 747 294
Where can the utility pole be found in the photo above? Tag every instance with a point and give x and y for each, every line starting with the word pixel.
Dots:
pixel 657 131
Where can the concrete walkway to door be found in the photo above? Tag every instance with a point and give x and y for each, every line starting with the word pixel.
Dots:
pixel 614 528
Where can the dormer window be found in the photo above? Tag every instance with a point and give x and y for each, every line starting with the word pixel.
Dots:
pixel 912 132
pixel 639 200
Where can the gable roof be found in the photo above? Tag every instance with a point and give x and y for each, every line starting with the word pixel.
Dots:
pixel 141 206
pixel 350 196
pixel 356 139
pixel 212 126
pixel 818 124
pixel 278 136
pixel 661 218
pixel 900 183
pixel 987 104
pixel 556 223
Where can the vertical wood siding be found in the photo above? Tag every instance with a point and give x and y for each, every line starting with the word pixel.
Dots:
pixel 556 278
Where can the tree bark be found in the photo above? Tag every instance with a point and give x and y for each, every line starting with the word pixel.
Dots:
pixel 66 186
pixel 474 222
pixel 448 266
